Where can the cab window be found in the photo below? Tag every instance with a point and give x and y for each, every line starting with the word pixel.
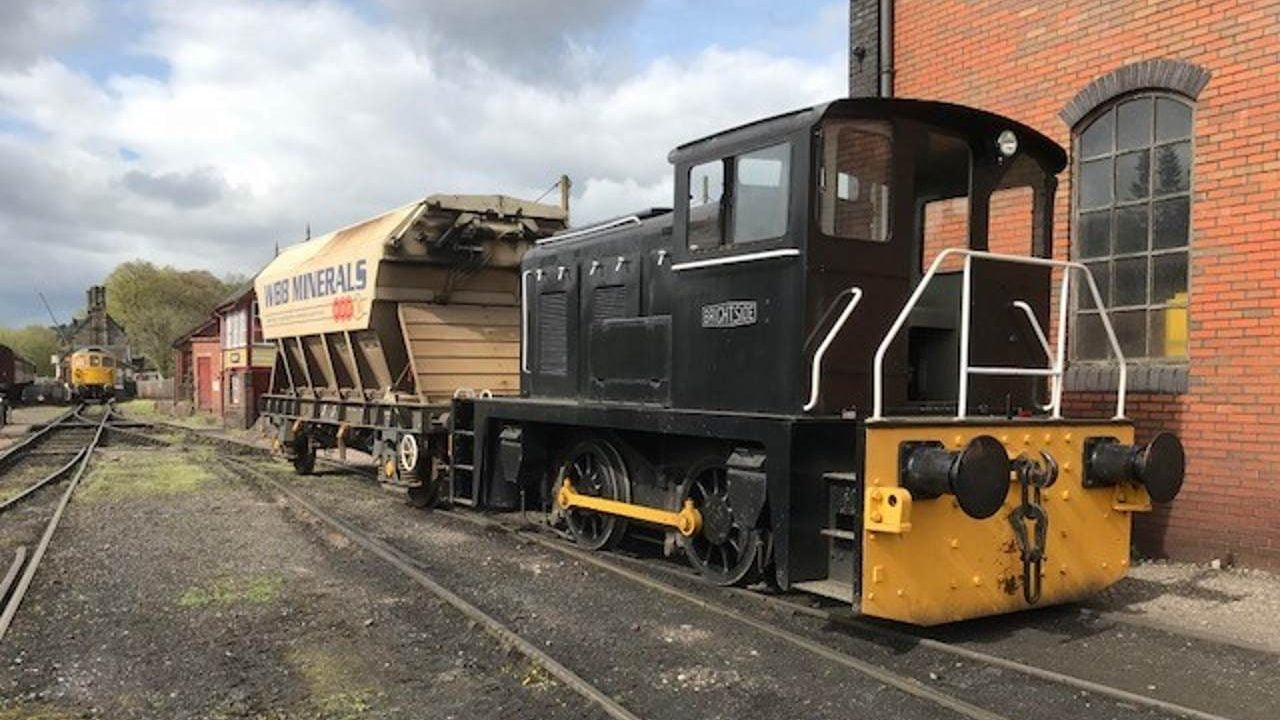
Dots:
pixel 740 199
pixel 108 362
pixel 760 194
pixel 706 198
pixel 853 181
pixel 95 361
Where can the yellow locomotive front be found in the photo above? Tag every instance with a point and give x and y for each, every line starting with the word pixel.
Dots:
pixel 91 374
pixel 979 518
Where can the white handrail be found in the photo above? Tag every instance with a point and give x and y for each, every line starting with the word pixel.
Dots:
pixel 1059 362
pixel 524 320
pixel 816 367
pixel 735 259
pixel 1044 344
pixel 591 229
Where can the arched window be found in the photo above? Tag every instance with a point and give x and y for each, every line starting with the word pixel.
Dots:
pixel 1132 224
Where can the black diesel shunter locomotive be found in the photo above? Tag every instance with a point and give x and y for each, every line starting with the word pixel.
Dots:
pixel 787 381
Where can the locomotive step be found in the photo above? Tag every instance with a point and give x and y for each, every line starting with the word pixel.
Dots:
pixel 849 535
pixel 833 589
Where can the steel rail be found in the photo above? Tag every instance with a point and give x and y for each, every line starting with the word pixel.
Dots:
pixel 31 489
pixel 904 683
pixel 10 453
pixel 1052 676
pixel 405 565
pixel 19 556
pixel 19 592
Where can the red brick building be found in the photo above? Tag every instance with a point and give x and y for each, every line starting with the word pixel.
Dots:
pixel 1171 114
pixel 197 368
pixel 246 360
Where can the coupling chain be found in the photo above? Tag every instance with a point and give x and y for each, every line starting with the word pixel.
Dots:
pixel 1033 477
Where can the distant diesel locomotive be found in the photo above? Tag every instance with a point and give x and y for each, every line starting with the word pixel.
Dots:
pixel 91 374
pixel 791 375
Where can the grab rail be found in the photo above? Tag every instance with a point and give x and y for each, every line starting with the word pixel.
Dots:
pixel 1044 344
pixel 1058 361
pixel 591 229
pixel 815 372
pixel 524 320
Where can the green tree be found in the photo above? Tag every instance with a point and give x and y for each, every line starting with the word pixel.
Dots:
pixel 36 343
pixel 156 305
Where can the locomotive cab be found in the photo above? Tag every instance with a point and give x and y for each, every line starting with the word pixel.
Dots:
pixel 804 214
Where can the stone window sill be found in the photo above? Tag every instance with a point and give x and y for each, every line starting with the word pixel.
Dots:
pixel 1143 378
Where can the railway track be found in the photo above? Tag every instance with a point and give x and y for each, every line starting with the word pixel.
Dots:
pixel 1122 702
pixel 60 449
pixel 683 586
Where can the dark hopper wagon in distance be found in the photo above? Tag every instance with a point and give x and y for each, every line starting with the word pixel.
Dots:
pixel 16 374
pixel 783 378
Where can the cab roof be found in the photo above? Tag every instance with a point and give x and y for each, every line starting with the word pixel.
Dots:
pixel 969 121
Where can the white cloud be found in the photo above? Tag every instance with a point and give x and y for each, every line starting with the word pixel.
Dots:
pixel 30 29
pixel 274 116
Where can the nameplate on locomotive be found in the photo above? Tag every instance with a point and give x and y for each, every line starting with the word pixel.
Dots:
pixel 730 314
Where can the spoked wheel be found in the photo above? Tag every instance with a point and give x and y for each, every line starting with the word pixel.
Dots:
pixel 595 467
pixel 724 550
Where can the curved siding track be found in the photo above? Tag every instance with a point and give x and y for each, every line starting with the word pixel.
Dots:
pixel 61 448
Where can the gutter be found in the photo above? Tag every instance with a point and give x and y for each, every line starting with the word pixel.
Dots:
pixel 886 48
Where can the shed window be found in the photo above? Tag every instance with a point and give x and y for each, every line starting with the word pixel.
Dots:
pixel 235 331
pixel 1132 226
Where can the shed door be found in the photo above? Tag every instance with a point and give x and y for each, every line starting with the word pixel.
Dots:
pixel 203 377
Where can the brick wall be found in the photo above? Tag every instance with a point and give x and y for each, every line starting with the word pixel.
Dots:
pixel 1028 60
pixel 864 43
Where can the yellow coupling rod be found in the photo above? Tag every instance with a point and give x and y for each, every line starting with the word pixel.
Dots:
pixel 687 522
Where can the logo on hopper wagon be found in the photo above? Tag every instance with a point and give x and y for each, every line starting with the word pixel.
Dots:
pixel 344 308
pixel 731 314
pixel 315 284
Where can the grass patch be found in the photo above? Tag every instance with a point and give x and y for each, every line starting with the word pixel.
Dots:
pixel 126 475
pixel 139 408
pixel 333 684
pixel 149 410
pixel 222 592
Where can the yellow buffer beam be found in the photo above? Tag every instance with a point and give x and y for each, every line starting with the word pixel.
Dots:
pixel 687 521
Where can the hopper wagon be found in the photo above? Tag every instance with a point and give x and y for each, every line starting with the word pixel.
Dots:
pixel 378 324
pixel 16 374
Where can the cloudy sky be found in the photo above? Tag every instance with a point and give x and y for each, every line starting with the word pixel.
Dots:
pixel 200 133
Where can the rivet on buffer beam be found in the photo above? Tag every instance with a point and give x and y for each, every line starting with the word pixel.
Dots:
pixel 687 522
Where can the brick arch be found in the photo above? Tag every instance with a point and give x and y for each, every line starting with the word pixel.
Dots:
pixel 1179 76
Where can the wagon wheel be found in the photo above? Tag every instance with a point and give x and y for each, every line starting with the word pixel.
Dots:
pixel 304 455
pixel 432 476
pixel 724 550
pixel 595 467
